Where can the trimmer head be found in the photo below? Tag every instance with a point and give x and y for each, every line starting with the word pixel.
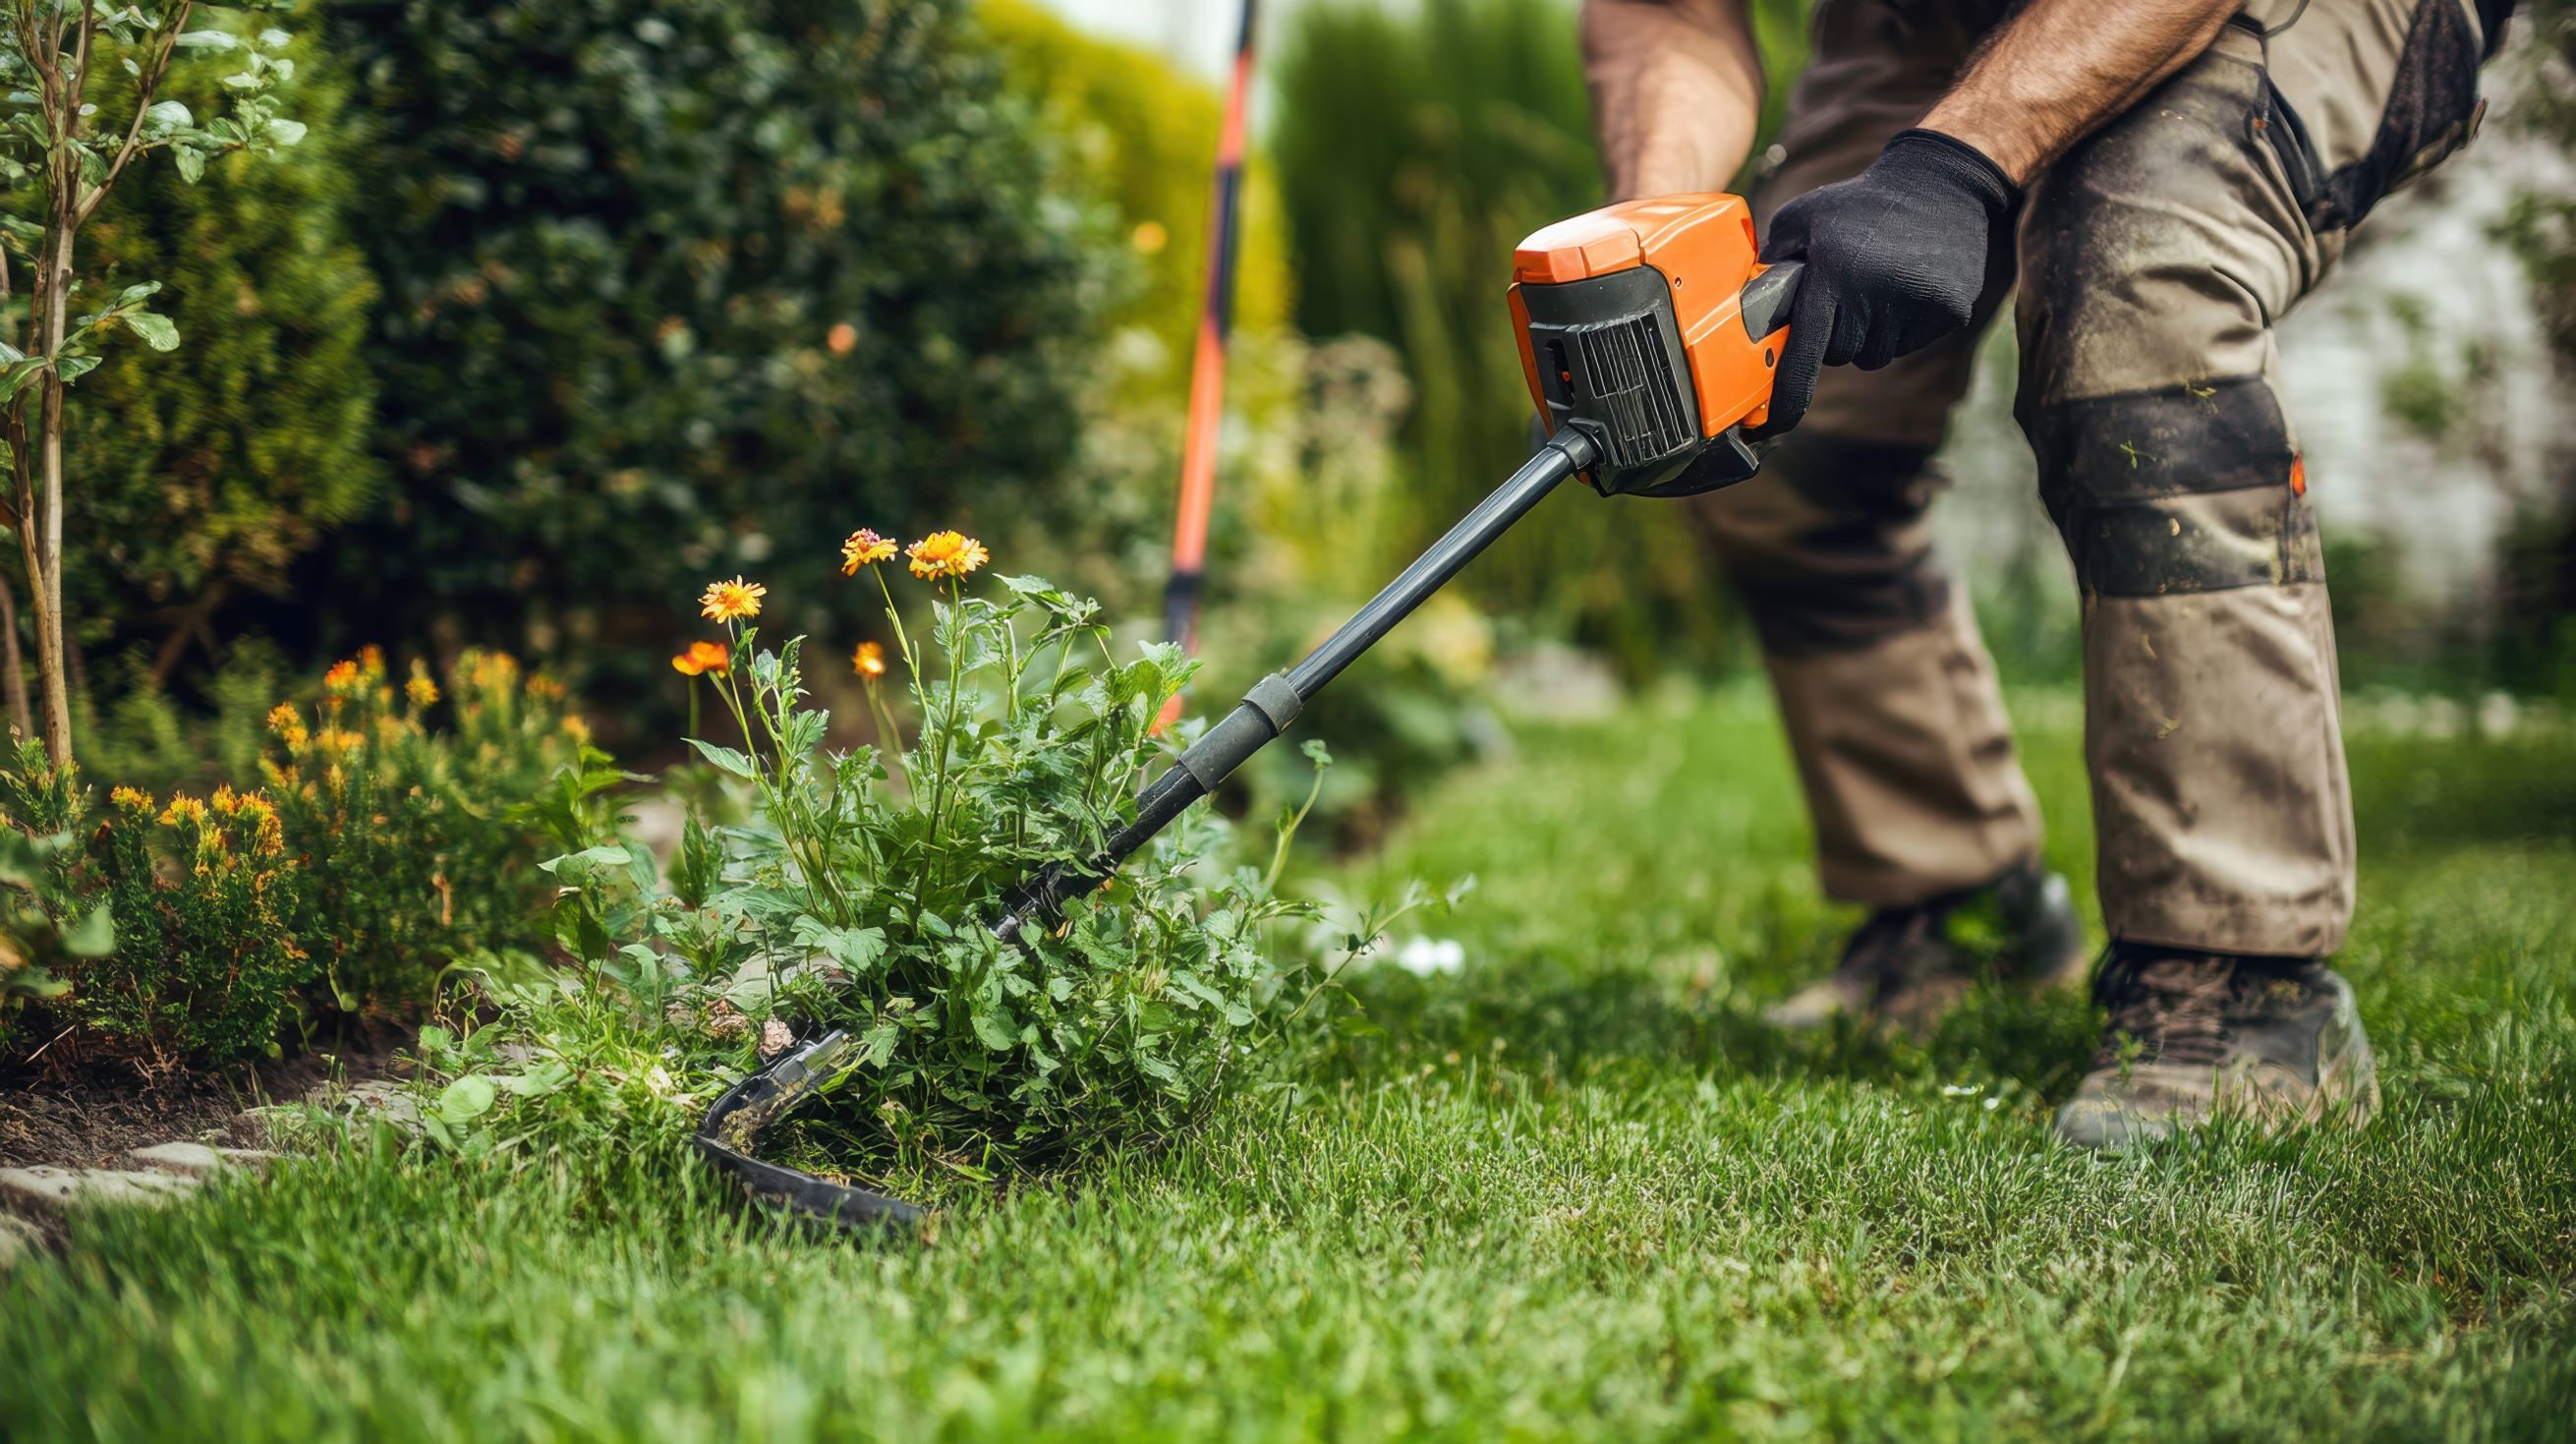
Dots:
pixel 1654 327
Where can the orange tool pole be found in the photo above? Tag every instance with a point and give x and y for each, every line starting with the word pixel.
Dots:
pixel 1207 363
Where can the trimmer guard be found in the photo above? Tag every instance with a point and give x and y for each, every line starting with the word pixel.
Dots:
pixel 725 1137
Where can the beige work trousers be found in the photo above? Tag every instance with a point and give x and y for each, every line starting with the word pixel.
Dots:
pixel 2150 267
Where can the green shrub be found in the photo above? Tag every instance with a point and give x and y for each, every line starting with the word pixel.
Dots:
pixel 38 932
pixel 205 474
pixel 197 963
pixel 206 967
pixel 858 895
pixel 668 285
pixel 377 850
pixel 417 846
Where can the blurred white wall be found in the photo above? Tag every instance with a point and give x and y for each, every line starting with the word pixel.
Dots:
pixel 1197 33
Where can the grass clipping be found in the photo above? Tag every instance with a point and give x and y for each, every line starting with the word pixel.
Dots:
pixel 814 889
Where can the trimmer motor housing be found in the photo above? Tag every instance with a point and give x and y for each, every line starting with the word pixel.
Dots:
pixel 1654 327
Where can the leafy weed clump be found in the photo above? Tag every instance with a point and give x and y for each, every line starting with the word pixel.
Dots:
pixel 856 892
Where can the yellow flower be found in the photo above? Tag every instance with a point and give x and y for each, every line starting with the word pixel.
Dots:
pixel 183 808
pixel 708 659
pixel 731 601
pixel 576 729
pixel 225 800
pixel 294 736
pixel 283 718
pixel 864 548
pixel 130 799
pixel 868 661
pixel 947 554
pixel 422 691
pixel 267 830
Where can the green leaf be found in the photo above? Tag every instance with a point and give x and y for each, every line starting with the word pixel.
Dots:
pixel 158 331
pixel 168 115
pixel 286 132
pixel 466 1099
pixel 214 40
pixel 856 949
pixel 15 376
pixel 93 936
pixel 876 1045
pixel 73 368
pixel 994 1031
pixel 191 161
pixel 727 759
pixel 537 1082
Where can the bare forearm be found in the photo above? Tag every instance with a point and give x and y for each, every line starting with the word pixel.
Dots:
pixel 1676 92
pixel 2059 68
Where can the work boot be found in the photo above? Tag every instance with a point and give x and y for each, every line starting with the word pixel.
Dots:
pixel 1902 973
pixel 2194 1036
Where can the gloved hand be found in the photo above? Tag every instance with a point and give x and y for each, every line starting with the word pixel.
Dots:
pixel 1895 259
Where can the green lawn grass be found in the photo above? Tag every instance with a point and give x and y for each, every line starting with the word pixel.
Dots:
pixel 1574 1192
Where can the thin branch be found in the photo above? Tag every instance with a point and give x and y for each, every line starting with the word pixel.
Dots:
pixel 145 88
pixel 13 667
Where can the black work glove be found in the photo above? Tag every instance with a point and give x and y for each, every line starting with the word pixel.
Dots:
pixel 1896 257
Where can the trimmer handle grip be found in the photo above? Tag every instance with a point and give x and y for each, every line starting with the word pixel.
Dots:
pixel 1768 298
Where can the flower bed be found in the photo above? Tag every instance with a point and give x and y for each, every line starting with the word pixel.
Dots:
pixel 853 890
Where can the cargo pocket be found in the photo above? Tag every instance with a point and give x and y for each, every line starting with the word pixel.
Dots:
pixel 2433 108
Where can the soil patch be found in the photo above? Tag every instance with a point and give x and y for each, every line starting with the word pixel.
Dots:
pixel 87 1117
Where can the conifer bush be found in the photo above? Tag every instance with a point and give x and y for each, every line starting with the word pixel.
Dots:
pixel 672 284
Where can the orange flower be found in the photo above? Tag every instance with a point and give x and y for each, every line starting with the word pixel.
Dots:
pixel 868 661
pixel 864 548
pixel 947 554
pixel 342 679
pixel 703 659
pixel 731 601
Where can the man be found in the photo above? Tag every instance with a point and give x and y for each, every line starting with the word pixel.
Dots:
pixel 2157 182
